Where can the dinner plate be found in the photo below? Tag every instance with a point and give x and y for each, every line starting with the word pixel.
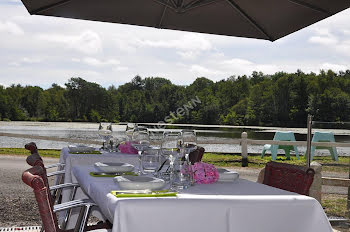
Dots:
pixel 227 175
pixel 80 148
pixel 114 167
pixel 139 182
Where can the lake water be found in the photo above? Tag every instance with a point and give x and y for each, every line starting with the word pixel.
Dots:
pixel 208 135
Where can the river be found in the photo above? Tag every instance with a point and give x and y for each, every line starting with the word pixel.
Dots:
pixel 58 132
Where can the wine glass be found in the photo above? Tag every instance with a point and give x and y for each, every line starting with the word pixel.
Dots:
pixel 171 144
pixel 105 132
pixel 189 141
pixel 140 141
pixel 130 127
pixel 189 138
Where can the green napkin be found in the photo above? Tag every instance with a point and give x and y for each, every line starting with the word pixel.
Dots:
pixel 89 152
pixel 107 174
pixel 160 193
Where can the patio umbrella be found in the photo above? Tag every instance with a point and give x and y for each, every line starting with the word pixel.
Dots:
pixel 261 19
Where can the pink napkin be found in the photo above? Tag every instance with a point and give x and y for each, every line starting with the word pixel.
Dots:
pixel 127 148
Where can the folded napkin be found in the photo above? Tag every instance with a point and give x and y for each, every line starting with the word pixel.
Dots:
pixel 126 147
pixel 87 152
pixel 160 193
pixel 111 174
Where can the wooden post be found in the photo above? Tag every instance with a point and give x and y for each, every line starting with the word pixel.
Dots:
pixel 316 187
pixel 308 145
pixel 244 137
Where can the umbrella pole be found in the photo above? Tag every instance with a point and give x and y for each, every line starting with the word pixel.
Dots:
pixel 308 144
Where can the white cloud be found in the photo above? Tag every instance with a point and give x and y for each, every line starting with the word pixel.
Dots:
pixel 122 68
pixel 30 60
pixel 237 62
pixel 88 42
pixel 334 67
pixel 343 47
pixel 188 42
pixel 188 55
pixel 25 60
pixel 325 40
pixel 203 71
pixel 10 27
pixel 323 36
pixel 100 63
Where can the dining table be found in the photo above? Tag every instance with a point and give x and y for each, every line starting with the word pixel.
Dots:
pixel 71 159
pixel 239 205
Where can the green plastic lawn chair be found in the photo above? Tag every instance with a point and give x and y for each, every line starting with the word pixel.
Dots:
pixel 324 137
pixel 281 136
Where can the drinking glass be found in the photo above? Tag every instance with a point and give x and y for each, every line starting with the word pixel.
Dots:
pixel 171 144
pixel 105 132
pixel 151 160
pixel 140 141
pixel 189 141
pixel 156 137
pixel 183 175
pixel 130 127
pixel 189 138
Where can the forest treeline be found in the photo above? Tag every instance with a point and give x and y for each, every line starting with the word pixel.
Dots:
pixel 282 99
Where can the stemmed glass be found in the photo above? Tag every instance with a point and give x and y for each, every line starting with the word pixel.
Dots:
pixel 189 144
pixel 105 132
pixel 171 145
pixel 189 141
pixel 130 127
pixel 140 141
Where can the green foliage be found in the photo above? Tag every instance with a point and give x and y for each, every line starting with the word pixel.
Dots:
pixel 281 99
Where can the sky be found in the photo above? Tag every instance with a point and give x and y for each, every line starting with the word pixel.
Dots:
pixel 39 50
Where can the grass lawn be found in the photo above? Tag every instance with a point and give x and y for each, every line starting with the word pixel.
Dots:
pixel 21 151
pixel 335 205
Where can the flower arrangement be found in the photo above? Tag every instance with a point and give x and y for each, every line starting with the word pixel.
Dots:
pixel 125 147
pixel 204 173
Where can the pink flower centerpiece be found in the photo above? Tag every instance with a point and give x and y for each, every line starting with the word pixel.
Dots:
pixel 204 173
pixel 125 147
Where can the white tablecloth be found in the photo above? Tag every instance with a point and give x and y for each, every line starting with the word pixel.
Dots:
pixel 71 160
pixel 239 206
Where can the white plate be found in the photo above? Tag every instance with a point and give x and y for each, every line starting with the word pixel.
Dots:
pixel 139 182
pixel 226 175
pixel 80 148
pixel 114 167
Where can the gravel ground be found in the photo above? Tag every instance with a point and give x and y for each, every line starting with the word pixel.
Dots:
pixel 17 202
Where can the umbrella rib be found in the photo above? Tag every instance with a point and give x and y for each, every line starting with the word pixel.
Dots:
pixel 198 3
pixel 44 8
pixel 312 7
pixel 166 4
pixel 249 19
pixel 161 19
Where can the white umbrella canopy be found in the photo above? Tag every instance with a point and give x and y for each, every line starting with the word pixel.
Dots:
pixel 261 19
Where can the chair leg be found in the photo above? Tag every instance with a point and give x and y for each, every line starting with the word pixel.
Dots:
pixel 334 154
pixel 287 151
pixel 82 219
pixel 312 152
pixel 296 152
pixel 274 149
